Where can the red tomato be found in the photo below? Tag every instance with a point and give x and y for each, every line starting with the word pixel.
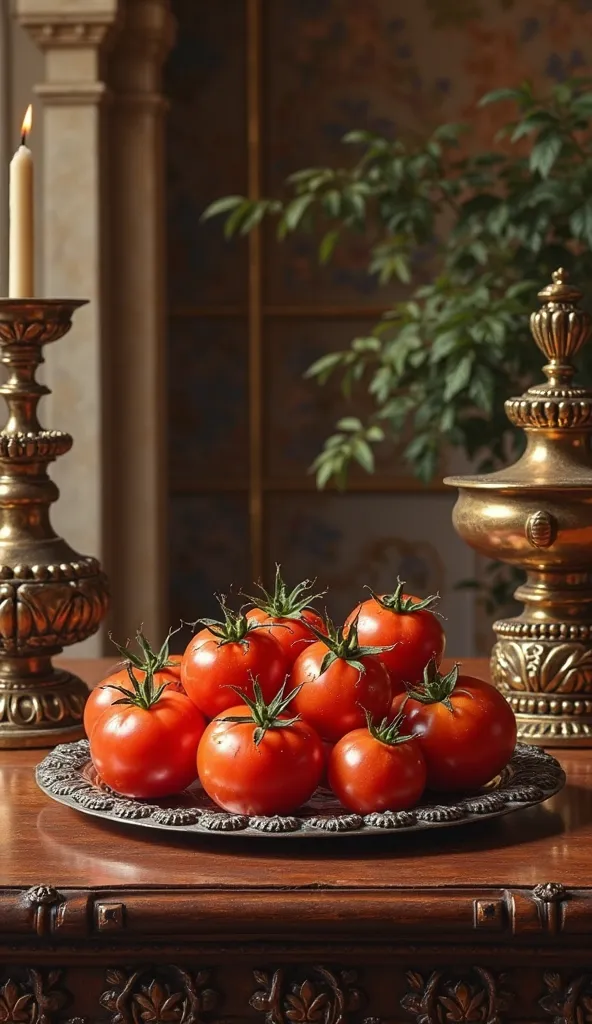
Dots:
pixel 338 682
pixel 148 752
pixel 166 670
pixel 231 654
pixel 292 634
pixel 248 767
pixel 368 773
pixel 404 621
pixel 288 615
pixel 465 727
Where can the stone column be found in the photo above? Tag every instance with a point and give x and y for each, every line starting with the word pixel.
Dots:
pixel 138 305
pixel 73 37
pixel 103 206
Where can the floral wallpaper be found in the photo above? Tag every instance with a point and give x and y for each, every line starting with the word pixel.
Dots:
pixel 395 66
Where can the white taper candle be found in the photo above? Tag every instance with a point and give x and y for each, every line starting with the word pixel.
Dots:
pixel 22 243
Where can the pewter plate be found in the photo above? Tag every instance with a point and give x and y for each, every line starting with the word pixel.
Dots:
pixel 68 776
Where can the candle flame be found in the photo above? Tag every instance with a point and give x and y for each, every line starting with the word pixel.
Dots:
pixel 27 123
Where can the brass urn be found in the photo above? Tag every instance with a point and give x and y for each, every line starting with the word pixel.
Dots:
pixel 537 514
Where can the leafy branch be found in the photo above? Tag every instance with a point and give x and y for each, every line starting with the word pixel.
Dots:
pixel 440 363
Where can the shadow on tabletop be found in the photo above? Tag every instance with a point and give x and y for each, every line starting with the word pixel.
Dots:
pixel 571 809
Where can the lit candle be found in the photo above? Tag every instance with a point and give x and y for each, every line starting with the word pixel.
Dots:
pixel 21 246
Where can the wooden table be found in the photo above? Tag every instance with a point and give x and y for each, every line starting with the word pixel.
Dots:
pixel 475 924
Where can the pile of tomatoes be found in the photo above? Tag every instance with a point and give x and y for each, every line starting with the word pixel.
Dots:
pixel 268 703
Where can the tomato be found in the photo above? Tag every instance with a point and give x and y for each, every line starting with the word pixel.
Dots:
pixel 231 654
pixel 287 615
pixel 292 634
pixel 147 748
pixel 165 667
pixel 408 629
pixel 377 769
pixel 259 760
pixel 466 729
pixel 338 681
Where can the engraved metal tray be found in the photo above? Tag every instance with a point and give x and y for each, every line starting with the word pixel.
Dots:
pixel 68 776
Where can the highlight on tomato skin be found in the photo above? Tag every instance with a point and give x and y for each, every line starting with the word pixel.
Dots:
pixel 409 629
pixel 258 759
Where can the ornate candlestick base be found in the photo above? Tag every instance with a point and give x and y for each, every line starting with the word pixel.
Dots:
pixel 49 595
pixel 537 514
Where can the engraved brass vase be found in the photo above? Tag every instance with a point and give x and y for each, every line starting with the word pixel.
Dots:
pixel 537 514
pixel 49 595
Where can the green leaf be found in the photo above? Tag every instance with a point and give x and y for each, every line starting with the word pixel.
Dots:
pixel 236 218
pixel 252 219
pixel 458 378
pixel 531 123
pixel 375 433
pixel 223 205
pixel 332 202
pixel 400 266
pixel 370 344
pixel 295 211
pixel 450 132
pixel 326 469
pixel 303 175
pixel 327 246
pixel 324 366
pixel 583 104
pixel 580 223
pixel 356 136
pixel 349 423
pixel 497 95
pixel 444 344
pixel 363 454
pixel 544 154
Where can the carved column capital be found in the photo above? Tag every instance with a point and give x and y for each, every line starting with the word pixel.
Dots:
pixel 55 25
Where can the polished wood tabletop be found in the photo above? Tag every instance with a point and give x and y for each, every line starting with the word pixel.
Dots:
pixel 39 837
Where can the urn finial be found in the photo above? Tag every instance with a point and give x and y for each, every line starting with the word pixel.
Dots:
pixel 560 328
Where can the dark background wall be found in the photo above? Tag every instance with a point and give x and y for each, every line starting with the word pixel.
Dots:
pixel 258 89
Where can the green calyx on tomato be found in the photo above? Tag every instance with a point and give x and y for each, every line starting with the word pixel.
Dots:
pixel 388 731
pixel 436 688
pixel 398 602
pixel 344 645
pixel 264 716
pixel 284 603
pixel 232 628
pixel 148 661
pixel 144 693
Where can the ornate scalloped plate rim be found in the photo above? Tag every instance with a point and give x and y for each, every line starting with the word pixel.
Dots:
pixel 526 758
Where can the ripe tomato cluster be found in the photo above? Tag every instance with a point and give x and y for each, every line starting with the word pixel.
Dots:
pixel 267 704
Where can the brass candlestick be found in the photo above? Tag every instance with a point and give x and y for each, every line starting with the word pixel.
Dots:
pixel 537 514
pixel 49 595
